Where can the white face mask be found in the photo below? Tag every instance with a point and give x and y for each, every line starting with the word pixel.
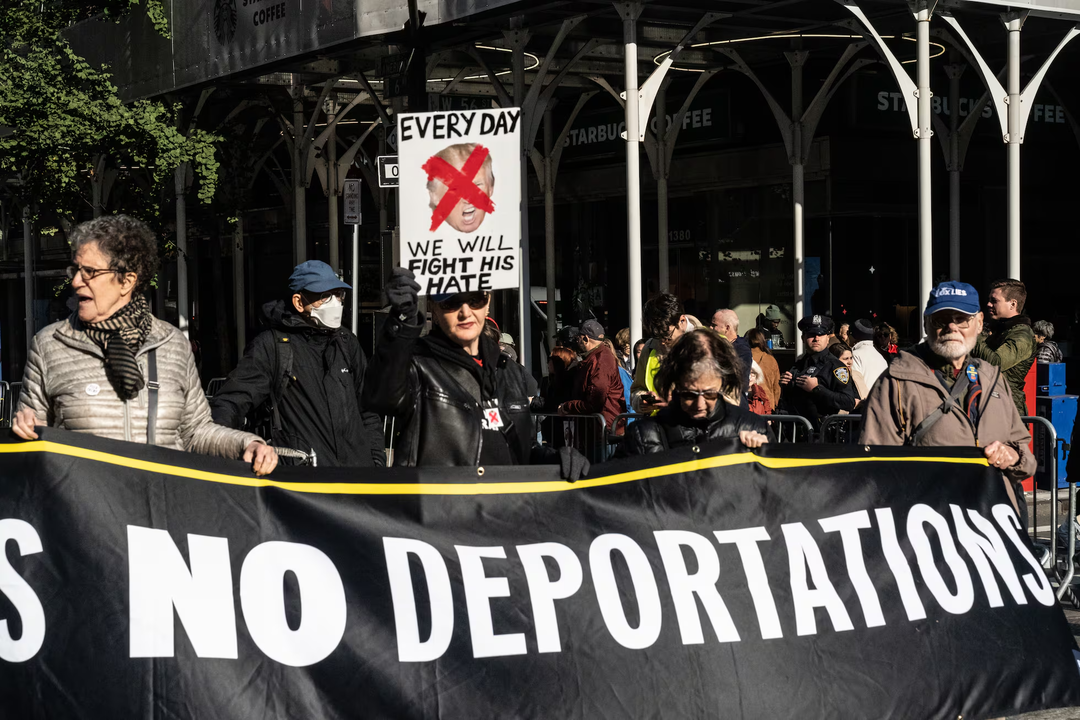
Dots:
pixel 328 314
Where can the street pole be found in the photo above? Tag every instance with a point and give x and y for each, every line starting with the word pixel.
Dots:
pixel 922 39
pixel 520 38
pixel 354 277
pixel 954 71
pixel 238 287
pixel 299 188
pixel 1014 23
pixel 662 189
pixel 332 186
pixel 549 228
pixel 182 307
pixel 28 276
pixel 630 12
pixel 797 59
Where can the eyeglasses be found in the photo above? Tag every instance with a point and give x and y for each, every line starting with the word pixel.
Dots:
pixel 475 300
pixel 689 396
pixel 313 299
pixel 941 322
pixel 88 273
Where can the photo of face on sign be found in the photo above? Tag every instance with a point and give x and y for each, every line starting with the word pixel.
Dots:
pixel 456 195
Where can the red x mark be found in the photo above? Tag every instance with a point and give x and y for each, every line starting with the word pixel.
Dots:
pixel 493 416
pixel 459 184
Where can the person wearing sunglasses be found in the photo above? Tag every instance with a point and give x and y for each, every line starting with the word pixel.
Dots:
pixel 457 399
pixel 818 384
pixel 304 377
pixel 939 394
pixel 700 378
pixel 112 369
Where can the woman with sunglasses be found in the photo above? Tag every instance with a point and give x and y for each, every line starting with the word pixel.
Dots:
pixel 456 399
pixel 113 369
pixel 700 379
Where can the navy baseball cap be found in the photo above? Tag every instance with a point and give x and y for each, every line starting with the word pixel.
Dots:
pixel 592 330
pixel 953 295
pixel 315 276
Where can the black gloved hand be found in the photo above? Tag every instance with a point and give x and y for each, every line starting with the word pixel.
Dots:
pixel 401 291
pixel 572 464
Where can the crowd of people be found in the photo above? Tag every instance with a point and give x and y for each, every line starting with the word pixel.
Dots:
pixel 460 397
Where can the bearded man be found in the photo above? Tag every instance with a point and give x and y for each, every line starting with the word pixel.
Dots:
pixel 939 395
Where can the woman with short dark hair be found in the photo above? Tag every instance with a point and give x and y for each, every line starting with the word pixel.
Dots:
pixel 113 369
pixel 701 382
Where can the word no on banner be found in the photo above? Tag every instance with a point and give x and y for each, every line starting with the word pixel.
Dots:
pixel 460 199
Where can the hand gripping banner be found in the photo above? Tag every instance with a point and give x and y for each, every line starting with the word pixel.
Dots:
pixel 804 582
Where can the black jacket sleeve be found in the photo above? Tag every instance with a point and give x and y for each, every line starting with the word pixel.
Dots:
pixel 373 423
pixel 642 437
pixel 248 385
pixel 389 378
pixel 837 394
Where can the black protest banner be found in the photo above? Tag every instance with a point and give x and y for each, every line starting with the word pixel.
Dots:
pixel 797 582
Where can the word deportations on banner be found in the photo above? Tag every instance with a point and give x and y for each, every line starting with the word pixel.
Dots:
pixel 893 584
pixel 460 199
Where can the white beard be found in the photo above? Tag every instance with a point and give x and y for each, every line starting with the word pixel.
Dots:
pixel 952 346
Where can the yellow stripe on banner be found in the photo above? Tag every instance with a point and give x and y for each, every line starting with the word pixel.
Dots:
pixel 492 488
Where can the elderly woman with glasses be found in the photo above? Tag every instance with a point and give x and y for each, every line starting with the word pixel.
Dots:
pixel 113 369
pixel 457 399
pixel 700 379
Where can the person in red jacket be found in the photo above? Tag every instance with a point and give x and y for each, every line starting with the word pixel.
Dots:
pixel 597 386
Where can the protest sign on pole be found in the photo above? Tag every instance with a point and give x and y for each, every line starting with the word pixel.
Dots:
pixel 460 199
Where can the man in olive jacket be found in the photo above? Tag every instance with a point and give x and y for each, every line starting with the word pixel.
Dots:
pixel 1011 344
pixel 939 395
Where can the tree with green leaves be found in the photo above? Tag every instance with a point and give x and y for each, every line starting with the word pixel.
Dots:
pixel 65 116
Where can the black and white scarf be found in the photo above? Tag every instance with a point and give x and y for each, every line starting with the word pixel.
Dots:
pixel 120 336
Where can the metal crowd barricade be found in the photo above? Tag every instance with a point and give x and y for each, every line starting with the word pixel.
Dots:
pixel 622 422
pixel 12 401
pixel 5 410
pixel 791 428
pixel 841 429
pixel 1045 438
pixel 214 386
pixel 587 433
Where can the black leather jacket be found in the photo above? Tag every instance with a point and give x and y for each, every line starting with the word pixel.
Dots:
pixel 438 404
pixel 672 428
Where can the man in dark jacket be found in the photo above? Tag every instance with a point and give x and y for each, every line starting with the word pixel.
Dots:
pixel 818 384
pixel 598 388
pixel 457 401
pixel 1011 343
pixel 311 372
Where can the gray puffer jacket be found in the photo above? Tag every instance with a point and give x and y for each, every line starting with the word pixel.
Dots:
pixel 65 385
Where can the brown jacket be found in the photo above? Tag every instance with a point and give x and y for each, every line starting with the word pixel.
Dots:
pixel 908 391
pixel 771 371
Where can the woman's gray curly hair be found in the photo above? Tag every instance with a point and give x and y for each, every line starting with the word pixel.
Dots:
pixel 128 242
pixel 700 352
pixel 1044 328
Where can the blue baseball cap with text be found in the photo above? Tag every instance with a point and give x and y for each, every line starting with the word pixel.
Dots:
pixel 953 295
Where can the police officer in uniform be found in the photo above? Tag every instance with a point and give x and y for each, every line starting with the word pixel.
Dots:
pixel 818 384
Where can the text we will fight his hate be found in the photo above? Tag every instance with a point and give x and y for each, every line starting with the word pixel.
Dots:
pixel 467 267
